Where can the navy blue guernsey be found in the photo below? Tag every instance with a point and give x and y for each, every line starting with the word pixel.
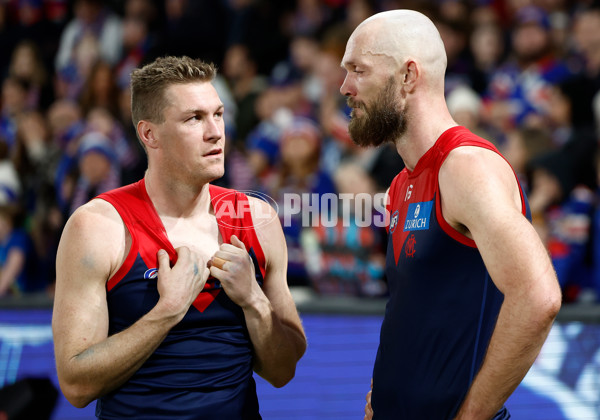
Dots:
pixel 203 368
pixel 443 305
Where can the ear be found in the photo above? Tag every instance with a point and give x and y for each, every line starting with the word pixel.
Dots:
pixel 410 75
pixel 146 133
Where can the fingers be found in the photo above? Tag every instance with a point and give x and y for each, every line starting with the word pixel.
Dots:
pixel 236 242
pixel 163 261
pixel 205 273
pixel 229 253
pixel 217 262
pixel 234 253
pixel 185 257
pixel 217 272
pixel 368 408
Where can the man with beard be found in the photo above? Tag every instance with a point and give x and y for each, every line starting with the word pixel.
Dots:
pixel 472 291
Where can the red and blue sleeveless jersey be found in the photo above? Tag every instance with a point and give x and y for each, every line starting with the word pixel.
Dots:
pixel 203 368
pixel 443 305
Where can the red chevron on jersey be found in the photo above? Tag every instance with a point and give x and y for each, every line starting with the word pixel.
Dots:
pixel 148 233
pixel 414 196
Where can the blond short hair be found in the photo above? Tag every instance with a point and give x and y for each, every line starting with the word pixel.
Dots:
pixel 149 83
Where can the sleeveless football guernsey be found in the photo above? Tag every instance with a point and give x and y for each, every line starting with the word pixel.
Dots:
pixel 443 305
pixel 203 368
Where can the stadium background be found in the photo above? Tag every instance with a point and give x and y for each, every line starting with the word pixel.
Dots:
pixel 280 75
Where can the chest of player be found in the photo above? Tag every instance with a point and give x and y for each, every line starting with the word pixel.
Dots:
pixel 413 214
pixel 137 293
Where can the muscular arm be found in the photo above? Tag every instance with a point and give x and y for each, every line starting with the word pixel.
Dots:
pixel 480 197
pixel 273 322
pixel 89 362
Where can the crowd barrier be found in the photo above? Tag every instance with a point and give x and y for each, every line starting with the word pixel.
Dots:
pixel 334 375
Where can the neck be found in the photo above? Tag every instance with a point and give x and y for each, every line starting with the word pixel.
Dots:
pixel 173 198
pixel 428 120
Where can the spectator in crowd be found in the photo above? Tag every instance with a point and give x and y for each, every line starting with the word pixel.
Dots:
pixel 144 10
pixel 67 125
pixel 577 137
pixel 13 103
pixel 188 21
pixel 241 72
pixel 7 39
pixel 138 43
pixel 100 89
pixel 328 105
pixel 283 63
pixel 15 256
pixel 586 83
pixel 244 85
pixel 454 31
pixel 521 146
pixel 294 89
pixel 359 10
pixel 466 108
pixel 518 89
pixel 349 257
pixel 562 212
pixel 35 160
pixel 100 120
pixel 26 65
pixel 94 33
pixel 38 21
pixel 310 17
pixel 487 47
pixel 265 27
pixel 298 174
pixel 10 186
pixel 595 230
pixel 98 169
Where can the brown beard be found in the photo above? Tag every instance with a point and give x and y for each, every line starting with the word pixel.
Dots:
pixel 382 122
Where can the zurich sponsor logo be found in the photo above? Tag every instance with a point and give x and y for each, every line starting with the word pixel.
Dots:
pixel 151 273
pixel 394 221
pixel 421 213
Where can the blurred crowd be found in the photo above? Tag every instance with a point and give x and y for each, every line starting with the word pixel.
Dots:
pixel 524 74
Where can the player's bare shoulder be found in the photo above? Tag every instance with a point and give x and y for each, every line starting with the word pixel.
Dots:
pixel 264 215
pixel 267 226
pixel 477 163
pixel 98 217
pixel 96 228
pixel 475 183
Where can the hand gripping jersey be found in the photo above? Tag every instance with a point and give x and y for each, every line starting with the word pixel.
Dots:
pixel 443 305
pixel 203 368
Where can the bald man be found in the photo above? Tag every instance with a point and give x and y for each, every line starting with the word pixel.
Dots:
pixel 473 293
